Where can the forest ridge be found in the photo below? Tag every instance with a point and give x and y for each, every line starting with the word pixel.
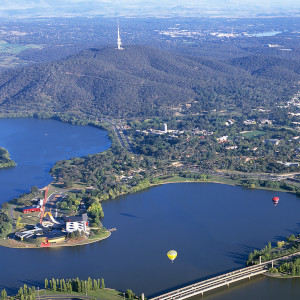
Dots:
pixel 144 81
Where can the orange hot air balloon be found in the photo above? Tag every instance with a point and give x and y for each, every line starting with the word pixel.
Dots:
pixel 275 200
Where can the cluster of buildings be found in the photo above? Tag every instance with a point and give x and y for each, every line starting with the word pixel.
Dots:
pixel 289 164
pixel 50 229
pixel 54 232
pixel 175 133
pixel 161 132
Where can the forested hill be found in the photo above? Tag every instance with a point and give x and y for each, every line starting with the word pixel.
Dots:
pixel 140 81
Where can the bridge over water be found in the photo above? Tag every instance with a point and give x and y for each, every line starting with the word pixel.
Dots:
pixel 221 280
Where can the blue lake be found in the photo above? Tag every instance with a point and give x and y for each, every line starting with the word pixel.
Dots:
pixel 266 33
pixel 213 227
pixel 35 145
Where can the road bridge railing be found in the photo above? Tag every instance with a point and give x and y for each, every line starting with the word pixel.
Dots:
pixel 221 280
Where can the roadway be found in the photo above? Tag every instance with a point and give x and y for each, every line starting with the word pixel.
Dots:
pixel 222 280
pixel 51 201
pixel 213 283
pixel 123 139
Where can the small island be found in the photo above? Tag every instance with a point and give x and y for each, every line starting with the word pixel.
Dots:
pixel 5 161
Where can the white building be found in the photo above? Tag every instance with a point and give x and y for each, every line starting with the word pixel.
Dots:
pixel 272 141
pixel 223 139
pixel 165 127
pixel 231 147
pixel 74 223
pixel 249 122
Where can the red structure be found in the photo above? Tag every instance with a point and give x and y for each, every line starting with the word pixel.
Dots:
pixel 46 243
pixel 45 198
pixel 30 209
pixel 44 202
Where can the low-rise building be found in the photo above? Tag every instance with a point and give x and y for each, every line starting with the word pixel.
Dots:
pixel 74 223
pixel 229 122
pixel 249 122
pixel 30 209
pixel 272 141
pixel 266 121
pixel 223 139
pixel 231 147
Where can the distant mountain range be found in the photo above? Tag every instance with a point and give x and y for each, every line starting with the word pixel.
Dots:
pixel 140 8
pixel 143 81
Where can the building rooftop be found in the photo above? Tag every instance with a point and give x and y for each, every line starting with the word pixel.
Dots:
pixel 81 218
pixel 31 207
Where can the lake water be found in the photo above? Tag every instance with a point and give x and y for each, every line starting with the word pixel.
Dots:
pixel 213 227
pixel 35 145
pixel 266 33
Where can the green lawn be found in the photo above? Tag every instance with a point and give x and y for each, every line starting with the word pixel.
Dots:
pixel 11 48
pixel 107 294
pixel 254 133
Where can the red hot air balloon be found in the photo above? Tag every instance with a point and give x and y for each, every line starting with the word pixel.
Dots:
pixel 275 200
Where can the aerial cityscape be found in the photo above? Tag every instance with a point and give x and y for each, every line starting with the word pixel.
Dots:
pixel 149 150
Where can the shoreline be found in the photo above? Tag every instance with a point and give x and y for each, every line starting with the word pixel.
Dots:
pixel 234 183
pixel 280 276
pixel 21 245
pixel 169 179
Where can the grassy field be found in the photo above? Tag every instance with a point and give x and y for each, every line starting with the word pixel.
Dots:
pixel 10 48
pixel 102 235
pixel 107 294
pixel 251 134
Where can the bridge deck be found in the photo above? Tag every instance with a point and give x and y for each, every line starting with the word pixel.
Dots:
pixel 219 281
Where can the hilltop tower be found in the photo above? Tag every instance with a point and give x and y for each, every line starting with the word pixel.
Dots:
pixel 119 40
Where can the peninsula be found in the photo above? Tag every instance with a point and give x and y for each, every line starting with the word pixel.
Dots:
pixel 5 160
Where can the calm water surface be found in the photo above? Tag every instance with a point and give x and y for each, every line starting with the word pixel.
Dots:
pixel 266 33
pixel 35 145
pixel 213 227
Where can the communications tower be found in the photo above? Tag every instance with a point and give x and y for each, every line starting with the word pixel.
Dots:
pixel 119 40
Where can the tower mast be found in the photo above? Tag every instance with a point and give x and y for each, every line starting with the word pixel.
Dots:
pixel 119 40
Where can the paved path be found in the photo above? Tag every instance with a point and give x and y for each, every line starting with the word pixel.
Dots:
pixel 65 297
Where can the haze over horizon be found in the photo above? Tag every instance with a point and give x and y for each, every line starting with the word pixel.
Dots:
pixel 150 8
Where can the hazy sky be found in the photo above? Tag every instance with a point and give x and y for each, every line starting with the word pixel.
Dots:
pixel 143 7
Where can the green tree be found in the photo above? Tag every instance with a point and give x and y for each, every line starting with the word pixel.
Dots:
pixel 25 289
pixel 83 289
pixel 64 286
pixel 68 184
pixel 34 190
pixel 130 294
pixel 54 286
pixel 46 284
pixel 102 284
pixel 95 285
pixel 79 290
pixel 3 294
pixel 269 246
